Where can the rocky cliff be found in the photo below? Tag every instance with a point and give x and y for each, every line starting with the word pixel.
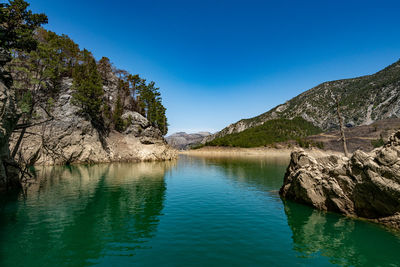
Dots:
pixel 182 140
pixel 70 138
pixel 363 100
pixel 9 114
pixel 365 185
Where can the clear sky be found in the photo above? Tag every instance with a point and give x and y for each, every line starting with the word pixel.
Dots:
pixel 219 61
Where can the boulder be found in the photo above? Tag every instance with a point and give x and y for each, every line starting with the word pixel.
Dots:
pixel 365 185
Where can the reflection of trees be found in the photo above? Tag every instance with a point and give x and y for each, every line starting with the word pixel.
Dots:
pixel 344 241
pixel 78 214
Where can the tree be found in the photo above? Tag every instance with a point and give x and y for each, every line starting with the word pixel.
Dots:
pixel 150 105
pixel 343 137
pixel 340 119
pixel 105 70
pixel 18 24
pixel 117 115
pixel 88 89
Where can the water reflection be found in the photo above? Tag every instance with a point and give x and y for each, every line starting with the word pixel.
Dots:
pixel 344 241
pixel 263 173
pixel 78 214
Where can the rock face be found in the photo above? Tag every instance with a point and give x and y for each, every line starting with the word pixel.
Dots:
pixel 9 115
pixel 365 99
pixel 70 138
pixel 366 185
pixel 182 140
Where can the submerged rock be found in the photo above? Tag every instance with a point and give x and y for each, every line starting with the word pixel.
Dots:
pixel 365 185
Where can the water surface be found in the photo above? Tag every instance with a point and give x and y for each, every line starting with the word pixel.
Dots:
pixel 193 212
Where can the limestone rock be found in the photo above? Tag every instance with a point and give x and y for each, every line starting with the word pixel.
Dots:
pixel 70 138
pixel 365 185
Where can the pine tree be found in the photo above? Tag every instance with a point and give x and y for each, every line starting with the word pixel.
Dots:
pixel 105 70
pixel 88 88
pixel 117 115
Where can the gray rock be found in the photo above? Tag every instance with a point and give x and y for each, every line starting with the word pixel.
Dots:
pixel 70 138
pixel 366 185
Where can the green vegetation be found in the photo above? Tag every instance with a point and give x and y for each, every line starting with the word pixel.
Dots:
pixel 197 146
pixel 378 142
pixel 304 143
pixel 18 24
pixel 42 60
pixel 88 88
pixel 272 131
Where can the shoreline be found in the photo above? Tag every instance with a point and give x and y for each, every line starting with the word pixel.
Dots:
pixel 254 152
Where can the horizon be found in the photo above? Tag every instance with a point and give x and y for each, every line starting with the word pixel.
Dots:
pixel 218 63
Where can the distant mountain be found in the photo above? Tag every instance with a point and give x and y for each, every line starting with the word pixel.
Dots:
pixel 182 140
pixel 363 100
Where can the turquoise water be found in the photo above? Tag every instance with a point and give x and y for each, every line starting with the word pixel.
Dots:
pixel 193 212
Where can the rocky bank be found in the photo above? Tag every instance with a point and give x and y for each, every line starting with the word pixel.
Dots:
pixel 69 138
pixel 365 185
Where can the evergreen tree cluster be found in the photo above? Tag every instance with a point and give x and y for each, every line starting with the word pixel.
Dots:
pixel 40 62
pixel 272 131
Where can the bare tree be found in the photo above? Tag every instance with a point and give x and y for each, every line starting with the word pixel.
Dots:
pixel 341 125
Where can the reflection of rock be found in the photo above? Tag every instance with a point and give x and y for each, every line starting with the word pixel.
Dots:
pixel 366 185
pixel 344 241
pixel 88 212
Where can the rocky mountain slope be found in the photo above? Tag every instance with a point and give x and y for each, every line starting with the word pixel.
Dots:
pixel 70 138
pixel 363 100
pixel 365 185
pixel 182 140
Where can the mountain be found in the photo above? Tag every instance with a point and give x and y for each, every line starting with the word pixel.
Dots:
pixel 182 140
pixel 363 100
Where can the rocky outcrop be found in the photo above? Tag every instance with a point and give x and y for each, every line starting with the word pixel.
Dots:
pixel 365 185
pixel 70 138
pixel 182 140
pixel 9 114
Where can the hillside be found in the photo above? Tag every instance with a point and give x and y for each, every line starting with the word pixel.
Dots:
pixel 363 137
pixel 182 140
pixel 363 100
pixel 272 131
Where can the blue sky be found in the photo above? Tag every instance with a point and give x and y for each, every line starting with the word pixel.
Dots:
pixel 220 61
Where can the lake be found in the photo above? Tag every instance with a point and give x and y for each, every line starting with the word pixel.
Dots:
pixel 197 211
